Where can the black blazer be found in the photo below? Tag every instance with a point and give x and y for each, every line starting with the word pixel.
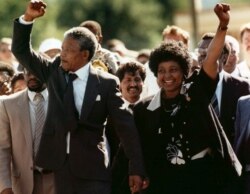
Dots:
pixel 88 155
pixel 232 89
pixel 148 123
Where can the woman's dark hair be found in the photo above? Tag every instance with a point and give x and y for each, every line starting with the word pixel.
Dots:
pixel 171 51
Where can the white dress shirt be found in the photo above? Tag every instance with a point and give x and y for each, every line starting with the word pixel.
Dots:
pixel 218 90
pixel 79 87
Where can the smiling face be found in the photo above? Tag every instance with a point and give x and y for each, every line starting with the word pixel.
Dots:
pixel 131 86
pixel 169 78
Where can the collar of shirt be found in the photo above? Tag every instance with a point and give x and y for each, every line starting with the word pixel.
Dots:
pixel 155 102
pixel 83 72
pixel 31 95
pixel 236 72
pixel 127 103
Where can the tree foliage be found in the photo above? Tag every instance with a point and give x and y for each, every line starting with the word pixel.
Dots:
pixel 137 23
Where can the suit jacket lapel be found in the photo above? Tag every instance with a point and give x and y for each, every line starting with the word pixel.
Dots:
pixel 224 93
pixel 90 93
pixel 24 117
pixel 62 81
pixel 245 120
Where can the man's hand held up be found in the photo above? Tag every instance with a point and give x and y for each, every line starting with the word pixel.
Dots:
pixel 35 9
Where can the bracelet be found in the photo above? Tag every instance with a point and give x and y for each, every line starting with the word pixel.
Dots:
pixel 223 28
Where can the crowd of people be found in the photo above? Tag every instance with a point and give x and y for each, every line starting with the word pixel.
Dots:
pixel 77 118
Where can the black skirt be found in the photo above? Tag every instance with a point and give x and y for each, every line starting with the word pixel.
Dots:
pixel 195 177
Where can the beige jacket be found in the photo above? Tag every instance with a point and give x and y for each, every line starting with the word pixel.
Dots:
pixel 16 160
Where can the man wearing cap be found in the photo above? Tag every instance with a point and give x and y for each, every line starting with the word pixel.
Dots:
pixel 51 47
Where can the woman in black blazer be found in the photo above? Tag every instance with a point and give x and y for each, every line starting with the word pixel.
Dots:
pixel 175 125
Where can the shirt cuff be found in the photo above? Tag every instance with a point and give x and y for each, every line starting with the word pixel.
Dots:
pixel 22 21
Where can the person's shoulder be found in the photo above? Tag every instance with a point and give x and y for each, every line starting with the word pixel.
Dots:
pixel 106 51
pixel 244 99
pixel 14 96
pixel 105 75
pixel 236 79
pixel 145 101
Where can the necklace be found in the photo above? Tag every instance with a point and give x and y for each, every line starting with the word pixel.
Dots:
pixel 169 109
pixel 171 106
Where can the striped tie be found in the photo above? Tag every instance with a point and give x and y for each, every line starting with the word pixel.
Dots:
pixel 39 121
pixel 215 105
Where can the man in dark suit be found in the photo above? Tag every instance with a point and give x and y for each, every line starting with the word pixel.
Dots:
pixel 229 88
pixel 73 141
pixel 131 75
pixel 242 141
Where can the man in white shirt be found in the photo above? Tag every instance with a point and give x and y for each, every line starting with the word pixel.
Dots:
pixel 244 66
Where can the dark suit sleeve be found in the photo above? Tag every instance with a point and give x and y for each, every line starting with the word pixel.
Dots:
pixel 126 130
pixel 22 49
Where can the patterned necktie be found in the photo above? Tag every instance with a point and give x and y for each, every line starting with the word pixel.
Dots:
pixel 215 105
pixel 69 104
pixel 39 121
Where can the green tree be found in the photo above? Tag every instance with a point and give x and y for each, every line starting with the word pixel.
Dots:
pixel 137 23
pixel 46 27
pixel 8 12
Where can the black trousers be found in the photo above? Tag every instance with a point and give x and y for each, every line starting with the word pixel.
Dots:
pixel 67 183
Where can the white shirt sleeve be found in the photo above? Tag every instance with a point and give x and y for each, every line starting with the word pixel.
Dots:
pixel 22 21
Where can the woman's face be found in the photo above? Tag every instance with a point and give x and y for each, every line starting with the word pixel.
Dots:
pixel 169 78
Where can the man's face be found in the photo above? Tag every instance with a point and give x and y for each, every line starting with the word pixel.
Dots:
pixel 131 86
pixel 33 83
pixel 246 42
pixel 202 50
pixel 232 59
pixel 72 58
pixel 5 53
pixel 175 37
